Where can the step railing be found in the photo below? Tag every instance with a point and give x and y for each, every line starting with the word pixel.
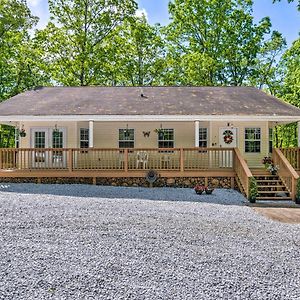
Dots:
pixel 293 156
pixel 242 171
pixel 286 172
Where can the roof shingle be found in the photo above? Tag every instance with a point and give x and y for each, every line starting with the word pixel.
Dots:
pixel 243 101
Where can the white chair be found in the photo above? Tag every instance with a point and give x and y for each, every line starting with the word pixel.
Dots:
pixel 142 158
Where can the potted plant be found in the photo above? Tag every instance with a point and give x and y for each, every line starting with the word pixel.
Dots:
pixel 209 190
pixel 199 189
pixel 273 169
pixel 55 131
pixel 22 132
pixel 266 161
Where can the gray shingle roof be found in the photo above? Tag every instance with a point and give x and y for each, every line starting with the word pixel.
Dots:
pixel 243 101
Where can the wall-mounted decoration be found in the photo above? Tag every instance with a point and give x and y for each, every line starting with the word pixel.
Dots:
pixel 146 133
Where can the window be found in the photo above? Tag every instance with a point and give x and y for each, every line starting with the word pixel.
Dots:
pixel 166 138
pixel 39 139
pixel 270 140
pixel 57 139
pixel 203 137
pixel 252 140
pixel 126 138
pixel 84 137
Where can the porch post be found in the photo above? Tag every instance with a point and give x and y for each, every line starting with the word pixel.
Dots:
pixel 298 133
pixel 197 126
pixel 91 134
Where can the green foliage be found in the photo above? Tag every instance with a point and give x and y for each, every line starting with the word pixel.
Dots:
pixel 18 57
pixel 252 190
pixel 7 136
pixel 74 47
pixel 298 191
pixel 215 42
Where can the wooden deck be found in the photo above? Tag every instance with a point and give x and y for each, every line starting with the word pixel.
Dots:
pixel 119 163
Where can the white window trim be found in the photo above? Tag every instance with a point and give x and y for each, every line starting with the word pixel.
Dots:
pixel 158 140
pixel 260 144
pixel 126 140
pixel 80 140
pixel 207 136
pixel 49 133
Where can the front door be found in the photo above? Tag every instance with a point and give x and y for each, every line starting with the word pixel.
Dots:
pixel 227 139
pixel 40 141
pixel 43 139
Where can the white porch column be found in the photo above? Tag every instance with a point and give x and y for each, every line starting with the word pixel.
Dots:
pixel 197 126
pixel 91 134
pixel 298 134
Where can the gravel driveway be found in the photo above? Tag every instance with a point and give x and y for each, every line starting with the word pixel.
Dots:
pixel 92 242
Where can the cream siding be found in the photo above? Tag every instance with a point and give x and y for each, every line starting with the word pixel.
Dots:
pixel 71 136
pixel 106 134
pixel 253 159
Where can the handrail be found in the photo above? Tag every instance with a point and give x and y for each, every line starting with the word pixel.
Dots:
pixel 121 159
pixel 286 172
pixel 293 156
pixel 242 171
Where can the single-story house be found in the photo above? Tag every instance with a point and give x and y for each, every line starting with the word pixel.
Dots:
pixel 125 131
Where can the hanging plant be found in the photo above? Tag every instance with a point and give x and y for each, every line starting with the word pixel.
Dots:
pixel 228 136
pixel 22 132
pixel 55 131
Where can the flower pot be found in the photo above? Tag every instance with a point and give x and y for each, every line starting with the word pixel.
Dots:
pixel 22 134
pixel 199 192
pixel 252 200
pixel 274 172
pixel 209 191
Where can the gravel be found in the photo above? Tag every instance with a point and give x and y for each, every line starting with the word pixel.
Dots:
pixel 92 242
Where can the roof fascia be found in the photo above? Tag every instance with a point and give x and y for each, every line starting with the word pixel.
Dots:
pixel 141 118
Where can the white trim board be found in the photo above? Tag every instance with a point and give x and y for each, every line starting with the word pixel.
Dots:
pixel 143 118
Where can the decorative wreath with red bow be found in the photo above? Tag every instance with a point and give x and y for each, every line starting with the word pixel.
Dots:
pixel 228 136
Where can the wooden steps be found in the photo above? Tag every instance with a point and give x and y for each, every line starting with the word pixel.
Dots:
pixel 270 187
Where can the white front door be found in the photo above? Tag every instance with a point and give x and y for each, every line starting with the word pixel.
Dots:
pixel 227 139
pixel 43 138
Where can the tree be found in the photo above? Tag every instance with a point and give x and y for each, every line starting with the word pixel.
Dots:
pixel 289 90
pixel 74 38
pixel 135 54
pixel 15 52
pixel 221 35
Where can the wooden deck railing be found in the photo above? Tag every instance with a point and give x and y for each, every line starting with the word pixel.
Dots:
pixel 286 171
pixel 174 159
pixel 293 156
pixel 242 170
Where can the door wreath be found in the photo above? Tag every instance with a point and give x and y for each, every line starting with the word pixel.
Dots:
pixel 228 136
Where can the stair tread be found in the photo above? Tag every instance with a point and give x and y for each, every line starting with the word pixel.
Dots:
pixel 272 192
pixel 270 186
pixel 268 180
pixel 273 198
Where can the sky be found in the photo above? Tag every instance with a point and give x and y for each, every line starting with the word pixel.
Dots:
pixel 284 16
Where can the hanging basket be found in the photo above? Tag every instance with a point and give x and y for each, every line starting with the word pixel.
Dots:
pixel 22 133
